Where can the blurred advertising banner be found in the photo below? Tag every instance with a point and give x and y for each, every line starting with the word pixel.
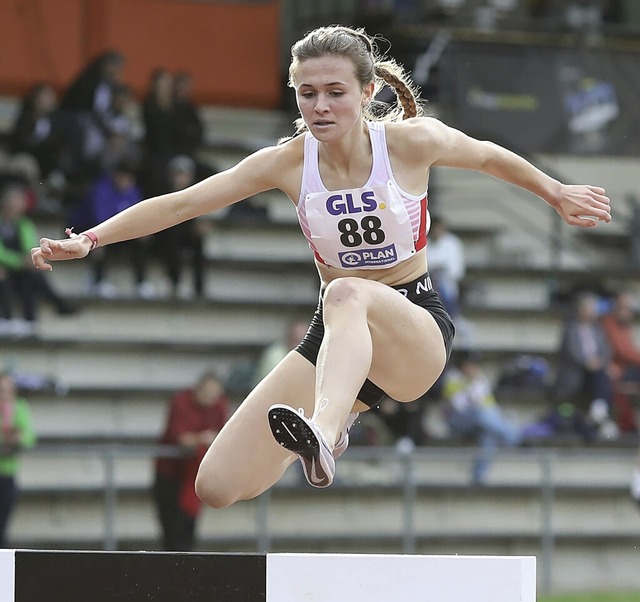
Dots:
pixel 545 99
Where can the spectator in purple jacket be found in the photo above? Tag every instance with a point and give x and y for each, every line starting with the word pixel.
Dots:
pixel 111 193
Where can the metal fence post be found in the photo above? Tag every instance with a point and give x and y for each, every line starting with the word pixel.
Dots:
pixel 409 498
pixel 110 499
pixel 547 536
pixel 263 539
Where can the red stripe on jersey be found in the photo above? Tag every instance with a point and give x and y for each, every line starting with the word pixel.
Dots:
pixel 317 256
pixel 421 242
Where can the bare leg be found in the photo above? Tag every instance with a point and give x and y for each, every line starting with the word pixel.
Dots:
pixel 245 460
pixel 372 330
pixel 344 359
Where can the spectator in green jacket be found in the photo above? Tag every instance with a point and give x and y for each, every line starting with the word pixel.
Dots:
pixel 19 280
pixel 16 434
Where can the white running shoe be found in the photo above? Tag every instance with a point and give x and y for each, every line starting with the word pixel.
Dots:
pixel 343 440
pixel 303 437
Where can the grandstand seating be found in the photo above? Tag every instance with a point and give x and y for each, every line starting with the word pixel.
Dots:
pixel 116 362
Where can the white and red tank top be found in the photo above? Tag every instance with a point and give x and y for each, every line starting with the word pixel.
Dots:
pixel 376 226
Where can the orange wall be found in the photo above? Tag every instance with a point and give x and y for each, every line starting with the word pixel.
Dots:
pixel 231 49
pixel 39 40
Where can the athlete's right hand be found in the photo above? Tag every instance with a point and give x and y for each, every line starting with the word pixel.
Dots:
pixel 75 247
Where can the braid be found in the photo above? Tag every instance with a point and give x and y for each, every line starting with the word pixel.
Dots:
pixel 394 76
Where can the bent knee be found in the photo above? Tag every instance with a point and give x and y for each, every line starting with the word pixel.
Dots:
pixel 342 291
pixel 212 492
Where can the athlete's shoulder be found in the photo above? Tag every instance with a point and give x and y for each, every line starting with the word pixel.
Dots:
pixel 414 139
pixel 276 166
pixel 283 154
pixel 416 129
pixel 293 147
pixel 270 162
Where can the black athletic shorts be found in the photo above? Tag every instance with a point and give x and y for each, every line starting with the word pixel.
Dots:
pixel 420 292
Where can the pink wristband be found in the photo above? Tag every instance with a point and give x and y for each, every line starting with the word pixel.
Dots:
pixel 92 237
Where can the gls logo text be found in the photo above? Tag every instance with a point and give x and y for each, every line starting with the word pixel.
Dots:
pixel 341 204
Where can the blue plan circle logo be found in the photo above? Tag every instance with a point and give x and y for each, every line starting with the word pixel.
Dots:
pixel 351 258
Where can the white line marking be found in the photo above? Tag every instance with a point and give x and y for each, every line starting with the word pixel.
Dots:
pixel 288 431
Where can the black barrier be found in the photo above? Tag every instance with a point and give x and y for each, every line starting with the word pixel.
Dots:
pixel 42 576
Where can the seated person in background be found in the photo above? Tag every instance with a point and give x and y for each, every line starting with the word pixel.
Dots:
pixel 625 366
pixel 34 131
pixel 86 108
pixel 18 278
pixel 582 366
pixel 446 264
pixel 189 130
pixel 111 193
pixel 275 351
pixel 471 410
pixel 16 434
pixel 183 243
pixel 121 136
pixel 195 417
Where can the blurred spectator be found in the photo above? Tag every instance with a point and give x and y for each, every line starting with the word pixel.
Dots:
pixel 35 130
pixel 524 375
pixel 109 194
pixel 471 410
pixel 18 277
pixel 195 417
pixel 582 365
pixel 86 111
pixel 246 374
pixel 183 243
pixel 275 351
pixel 402 421
pixel 15 174
pixel 625 366
pixel 445 253
pixel 16 434
pixel 121 144
pixel 159 118
pixel 564 421
pixel 189 129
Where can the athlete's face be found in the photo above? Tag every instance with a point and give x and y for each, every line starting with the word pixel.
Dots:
pixel 329 96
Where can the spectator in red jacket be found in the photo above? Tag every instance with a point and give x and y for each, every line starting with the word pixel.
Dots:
pixel 625 365
pixel 195 417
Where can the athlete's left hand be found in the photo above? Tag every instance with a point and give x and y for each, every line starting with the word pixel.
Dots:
pixel 583 206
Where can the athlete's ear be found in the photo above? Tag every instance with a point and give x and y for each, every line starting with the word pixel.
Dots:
pixel 367 93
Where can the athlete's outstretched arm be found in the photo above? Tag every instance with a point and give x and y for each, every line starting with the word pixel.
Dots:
pixel 252 175
pixel 453 148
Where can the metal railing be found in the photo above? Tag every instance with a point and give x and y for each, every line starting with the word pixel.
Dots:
pixel 401 466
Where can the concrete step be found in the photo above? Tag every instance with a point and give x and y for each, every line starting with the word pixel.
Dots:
pixel 528 225
pixel 135 366
pixel 137 347
pixel 438 511
pixel 74 416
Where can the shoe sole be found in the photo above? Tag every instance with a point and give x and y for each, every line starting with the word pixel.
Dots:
pixel 292 432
